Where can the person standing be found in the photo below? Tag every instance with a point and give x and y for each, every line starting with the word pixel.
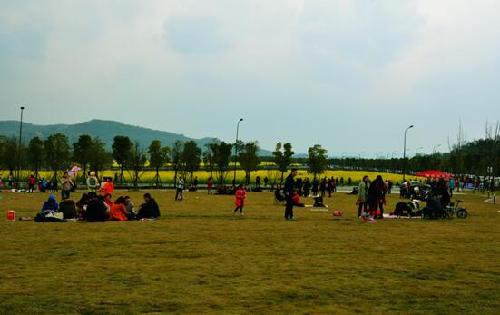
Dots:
pixel 379 191
pixel 331 187
pixel 289 190
pixel 10 181
pixel 300 185
pixel 210 185
pixel 307 187
pixel 179 195
pixel 315 187
pixel 67 185
pixel 322 187
pixel 451 186
pixel 92 182
pixel 240 197
pixel 363 196
pixel 31 184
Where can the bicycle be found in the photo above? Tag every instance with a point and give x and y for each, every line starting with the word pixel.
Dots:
pixel 454 209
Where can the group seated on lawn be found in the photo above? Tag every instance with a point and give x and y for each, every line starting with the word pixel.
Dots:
pixel 98 208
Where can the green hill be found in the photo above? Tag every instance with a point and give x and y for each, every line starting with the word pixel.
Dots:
pixel 105 130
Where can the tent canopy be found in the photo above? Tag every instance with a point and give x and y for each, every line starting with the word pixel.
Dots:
pixel 435 174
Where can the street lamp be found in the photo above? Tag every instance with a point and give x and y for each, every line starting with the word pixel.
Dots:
pixel 404 154
pixel 236 150
pixel 18 179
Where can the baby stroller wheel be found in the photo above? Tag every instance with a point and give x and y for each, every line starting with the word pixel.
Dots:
pixel 462 214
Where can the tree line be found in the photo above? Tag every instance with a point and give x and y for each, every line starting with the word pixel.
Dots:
pixel 55 153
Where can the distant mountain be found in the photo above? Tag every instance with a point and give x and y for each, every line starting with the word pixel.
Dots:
pixel 105 130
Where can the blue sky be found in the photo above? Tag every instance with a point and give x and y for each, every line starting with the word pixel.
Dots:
pixel 350 75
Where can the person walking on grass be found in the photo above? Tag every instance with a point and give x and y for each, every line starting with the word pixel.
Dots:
pixel 289 190
pixel 363 196
pixel 240 196
pixel 179 195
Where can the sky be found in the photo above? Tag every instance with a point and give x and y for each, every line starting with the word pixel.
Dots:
pixel 349 75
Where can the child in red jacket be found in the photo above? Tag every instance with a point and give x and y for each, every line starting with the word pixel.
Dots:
pixel 240 197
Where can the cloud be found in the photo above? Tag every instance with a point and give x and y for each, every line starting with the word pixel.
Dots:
pixel 301 70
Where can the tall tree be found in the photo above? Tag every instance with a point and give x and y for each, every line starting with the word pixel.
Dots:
pixel 83 151
pixel 137 161
pixel 249 159
pixel 158 157
pixel 191 158
pixel 35 154
pixel 122 150
pixel 221 156
pixel 99 159
pixel 208 158
pixel 9 155
pixel 318 160
pixel 283 157
pixel 57 152
pixel 176 155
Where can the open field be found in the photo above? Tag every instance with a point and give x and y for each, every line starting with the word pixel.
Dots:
pixel 273 175
pixel 200 259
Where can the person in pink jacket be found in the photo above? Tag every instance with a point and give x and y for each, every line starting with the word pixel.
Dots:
pixel 240 196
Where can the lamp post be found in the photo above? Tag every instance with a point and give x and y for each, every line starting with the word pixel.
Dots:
pixel 236 150
pixel 404 153
pixel 18 179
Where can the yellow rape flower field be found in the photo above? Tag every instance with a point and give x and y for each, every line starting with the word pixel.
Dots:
pixel 272 175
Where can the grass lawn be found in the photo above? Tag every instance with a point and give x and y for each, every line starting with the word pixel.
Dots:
pixel 200 259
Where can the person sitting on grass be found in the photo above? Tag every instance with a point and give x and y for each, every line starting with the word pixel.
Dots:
pixel 108 200
pixel 50 205
pixel 149 209
pixel 81 205
pixel 129 206
pixel 68 208
pixel 118 211
pixel 240 197
pixel 296 200
pixel 97 210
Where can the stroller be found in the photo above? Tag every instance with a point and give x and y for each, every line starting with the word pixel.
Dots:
pixel 279 197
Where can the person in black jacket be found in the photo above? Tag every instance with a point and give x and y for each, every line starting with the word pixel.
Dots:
pixel 149 209
pixel 289 190
pixel 96 209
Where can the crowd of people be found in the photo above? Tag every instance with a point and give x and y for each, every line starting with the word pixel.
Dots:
pixel 93 207
pixel 97 203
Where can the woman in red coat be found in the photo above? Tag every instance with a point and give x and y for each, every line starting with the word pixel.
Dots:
pixel 240 196
pixel 118 211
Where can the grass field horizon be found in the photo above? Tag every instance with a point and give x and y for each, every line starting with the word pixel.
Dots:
pixel 200 259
